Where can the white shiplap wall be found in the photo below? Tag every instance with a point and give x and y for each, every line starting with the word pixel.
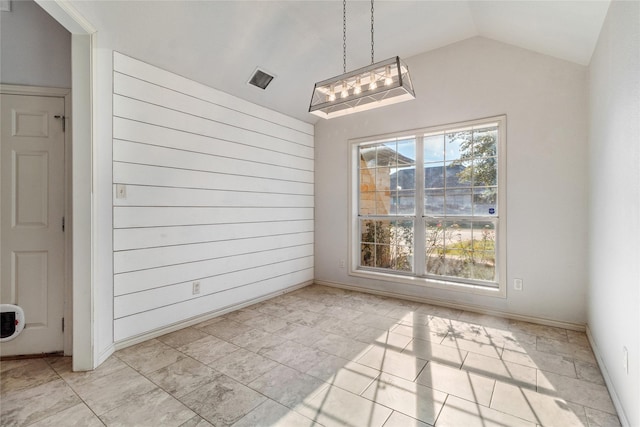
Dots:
pixel 218 190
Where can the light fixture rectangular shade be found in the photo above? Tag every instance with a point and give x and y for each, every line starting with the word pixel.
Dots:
pixel 383 83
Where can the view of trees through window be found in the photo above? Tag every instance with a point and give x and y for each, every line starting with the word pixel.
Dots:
pixel 455 205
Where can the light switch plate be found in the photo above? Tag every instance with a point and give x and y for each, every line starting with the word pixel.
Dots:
pixel 121 191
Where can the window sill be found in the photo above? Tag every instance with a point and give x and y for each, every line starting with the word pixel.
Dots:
pixel 499 292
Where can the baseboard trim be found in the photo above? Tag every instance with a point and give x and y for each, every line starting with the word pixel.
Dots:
pixel 624 421
pixel 465 307
pixel 102 357
pixel 204 317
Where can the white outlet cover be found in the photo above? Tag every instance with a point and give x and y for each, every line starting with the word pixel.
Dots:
pixel 517 284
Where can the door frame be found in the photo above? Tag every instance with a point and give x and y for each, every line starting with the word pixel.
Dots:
pixel 6 89
pixel 83 83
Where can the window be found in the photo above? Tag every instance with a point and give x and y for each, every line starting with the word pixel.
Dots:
pixel 428 206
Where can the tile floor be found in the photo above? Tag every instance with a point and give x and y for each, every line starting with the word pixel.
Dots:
pixel 321 357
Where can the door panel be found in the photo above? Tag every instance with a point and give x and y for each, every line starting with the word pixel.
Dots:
pixel 31 212
pixel 30 123
pixel 29 285
pixel 31 189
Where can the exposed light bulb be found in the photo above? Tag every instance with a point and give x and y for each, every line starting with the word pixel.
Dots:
pixel 387 72
pixel 344 92
pixel 358 89
pixel 372 82
pixel 332 94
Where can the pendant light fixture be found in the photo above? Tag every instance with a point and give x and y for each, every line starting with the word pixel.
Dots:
pixel 383 83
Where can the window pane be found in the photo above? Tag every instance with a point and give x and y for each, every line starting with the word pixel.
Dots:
pixel 485 171
pixel 402 241
pixel 435 247
pixel 402 233
pixel 383 178
pixel 462 249
pixel 367 231
pixel 368 156
pixel 434 148
pixel 383 203
pixel 403 178
pixel 383 256
pixel 434 175
pixel 434 202
pixel 484 250
pixel 367 179
pixel 386 154
pixel 458 174
pixel 406 202
pixel 387 244
pixel 457 144
pixel 403 258
pixel 484 142
pixel 367 203
pixel 383 244
pixel 367 255
pixel 484 201
pixel 391 170
pixel 458 202
pixel 406 152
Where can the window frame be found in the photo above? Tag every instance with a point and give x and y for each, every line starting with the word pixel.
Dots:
pixel 417 278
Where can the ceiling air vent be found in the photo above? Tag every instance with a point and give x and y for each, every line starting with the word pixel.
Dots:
pixel 260 79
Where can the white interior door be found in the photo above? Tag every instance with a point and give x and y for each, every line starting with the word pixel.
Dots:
pixel 31 214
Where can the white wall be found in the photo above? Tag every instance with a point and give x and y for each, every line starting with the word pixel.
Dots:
pixel 614 228
pixel 218 191
pixel 106 40
pixel 35 49
pixel 545 102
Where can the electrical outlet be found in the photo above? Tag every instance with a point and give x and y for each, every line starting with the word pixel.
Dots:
pixel 517 284
pixel 625 360
pixel 196 288
pixel 341 263
pixel 121 191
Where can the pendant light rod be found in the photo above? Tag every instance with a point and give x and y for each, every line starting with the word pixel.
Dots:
pixel 372 61
pixel 344 36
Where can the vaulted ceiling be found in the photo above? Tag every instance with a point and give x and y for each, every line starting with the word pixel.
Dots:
pixel 220 43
